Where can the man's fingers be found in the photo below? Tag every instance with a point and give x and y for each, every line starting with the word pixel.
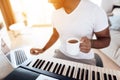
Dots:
pixel 85 45
pixel 84 39
pixel 35 51
pixel 84 50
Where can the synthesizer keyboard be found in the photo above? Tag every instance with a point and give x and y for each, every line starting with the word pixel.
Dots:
pixel 57 69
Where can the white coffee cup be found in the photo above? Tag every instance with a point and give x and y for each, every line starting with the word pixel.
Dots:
pixel 72 46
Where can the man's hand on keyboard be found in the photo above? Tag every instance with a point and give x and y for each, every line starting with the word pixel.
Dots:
pixel 36 51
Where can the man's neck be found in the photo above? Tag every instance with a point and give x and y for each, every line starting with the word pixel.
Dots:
pixel 70 5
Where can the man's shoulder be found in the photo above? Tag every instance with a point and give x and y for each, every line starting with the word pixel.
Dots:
pixel 90 5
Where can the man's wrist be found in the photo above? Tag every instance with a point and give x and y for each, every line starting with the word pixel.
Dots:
pixel 43 49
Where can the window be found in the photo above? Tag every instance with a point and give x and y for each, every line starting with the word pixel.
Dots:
pixel 2 23
pixel 32 12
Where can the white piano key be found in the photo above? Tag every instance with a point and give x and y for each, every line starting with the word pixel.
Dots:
pixel 87 72
pixel 56 67
pixel 104 74
pixel 65 70
pixel 81 66
pixel 49 66
pixel 72 72
pixel 68 71
pixel 59 68
pixel 75 70
pixel 62 69
pixel 100 72
pixel 41 64
pixel 52 67
pixel 88 68
pixel 116 75
pixel 44 65
pixel 92 72
pixel 95 69
pixel 112 73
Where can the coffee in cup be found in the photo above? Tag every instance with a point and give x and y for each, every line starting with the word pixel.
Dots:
pixel 72 46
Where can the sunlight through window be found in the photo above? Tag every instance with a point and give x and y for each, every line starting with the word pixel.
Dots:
pixel 35 12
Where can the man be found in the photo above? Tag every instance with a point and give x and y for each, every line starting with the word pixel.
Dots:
pixel 81 19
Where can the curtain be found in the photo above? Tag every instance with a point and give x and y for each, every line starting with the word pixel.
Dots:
pixel 7 13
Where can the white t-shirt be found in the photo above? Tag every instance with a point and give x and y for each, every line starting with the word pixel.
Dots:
pixel 83 21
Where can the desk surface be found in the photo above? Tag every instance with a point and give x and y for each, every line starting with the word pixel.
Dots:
pixel 108 63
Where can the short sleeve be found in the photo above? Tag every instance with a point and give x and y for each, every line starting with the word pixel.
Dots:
pixel 101 20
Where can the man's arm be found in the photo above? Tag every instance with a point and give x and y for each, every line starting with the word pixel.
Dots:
pixel 52 40
pixel 102 39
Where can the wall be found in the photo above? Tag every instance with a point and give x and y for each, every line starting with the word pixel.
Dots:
pixel 116 1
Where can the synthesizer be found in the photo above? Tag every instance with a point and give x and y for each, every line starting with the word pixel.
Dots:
pixel 57 69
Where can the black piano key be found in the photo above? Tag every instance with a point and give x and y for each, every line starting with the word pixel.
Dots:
pixel 58 68
pixel 109 77
pixel 67 73
pixel 50 66
pixel 46 65
pixel 41 64
pixel 82 74
pixel 35 63
pixel 72 72
pixel 86 75
pixel 78 74
pixel 55 68
pixel 98 75
pixel 105 76
pixel 28 63
pixel 114 77
pixel 93 75
pixel 62 69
